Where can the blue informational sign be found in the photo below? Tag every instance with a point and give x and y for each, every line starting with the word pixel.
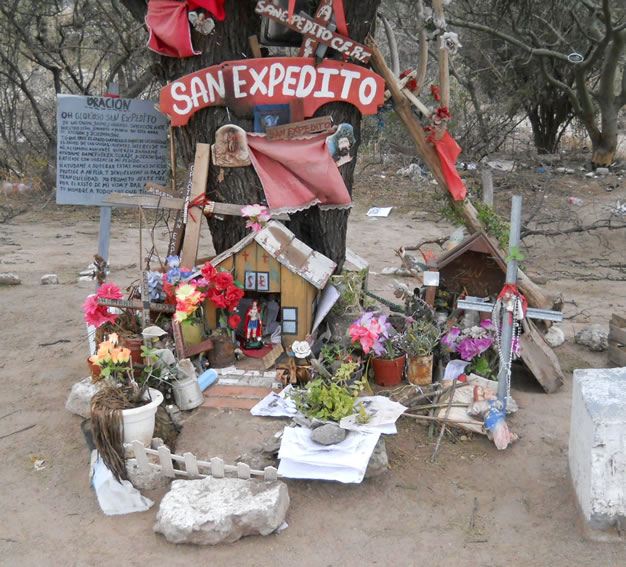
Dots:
pixel 107 145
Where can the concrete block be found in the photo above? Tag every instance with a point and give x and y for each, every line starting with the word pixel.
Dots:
pixel 597 443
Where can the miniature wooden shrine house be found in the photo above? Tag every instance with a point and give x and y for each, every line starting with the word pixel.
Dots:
pixel 274 261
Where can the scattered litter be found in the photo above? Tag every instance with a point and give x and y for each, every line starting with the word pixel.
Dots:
pixel 38 464
pixel 276 405
pixel 412 170
pixel 620 208
pixel 503 165
pixel 379 212
pixel 399 271
pixel 384 414
pixel 575 201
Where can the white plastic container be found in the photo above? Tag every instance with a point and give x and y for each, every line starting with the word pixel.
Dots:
pixel 139 422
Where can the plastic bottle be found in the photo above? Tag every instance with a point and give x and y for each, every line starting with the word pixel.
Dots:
pixel 207 378
pixel 575 201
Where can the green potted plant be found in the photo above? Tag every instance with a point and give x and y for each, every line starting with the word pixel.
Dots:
pixel 372 334
pixel 419 340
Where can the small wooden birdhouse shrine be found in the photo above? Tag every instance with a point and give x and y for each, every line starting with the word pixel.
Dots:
pixel 474 267
pixel 274 265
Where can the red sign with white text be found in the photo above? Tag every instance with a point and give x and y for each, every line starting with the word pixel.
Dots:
pixel 241 85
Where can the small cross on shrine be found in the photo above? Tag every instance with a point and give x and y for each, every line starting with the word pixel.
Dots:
pixel 510 298
pixel 265 258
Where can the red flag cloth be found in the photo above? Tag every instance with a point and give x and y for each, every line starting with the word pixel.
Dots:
pixel 448 151
pixel 169 29
pixel 214 7
pixel 297 174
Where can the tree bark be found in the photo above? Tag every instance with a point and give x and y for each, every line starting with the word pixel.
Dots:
pixel 324 231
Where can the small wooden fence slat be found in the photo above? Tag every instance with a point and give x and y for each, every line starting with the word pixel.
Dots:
pixel 193 467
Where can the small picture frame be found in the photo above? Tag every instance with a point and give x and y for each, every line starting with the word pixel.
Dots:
pixel 250 281
pixel 263 281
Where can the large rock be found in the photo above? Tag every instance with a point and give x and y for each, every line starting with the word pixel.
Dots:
pixel 328 434
pixel 379 462
pixel 216 510
pixel 7 278
pixel 597 460
pixel 555 336
pixel 594 337
pixel 79 400
pixel 49 279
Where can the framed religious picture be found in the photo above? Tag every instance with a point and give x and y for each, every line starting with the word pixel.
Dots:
pixel 250 281
pixel 263 281
pixel 270 115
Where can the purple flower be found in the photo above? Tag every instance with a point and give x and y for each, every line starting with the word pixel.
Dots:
pixel 173 261
pixel 449 339
pixel 469 348
pixel 487 324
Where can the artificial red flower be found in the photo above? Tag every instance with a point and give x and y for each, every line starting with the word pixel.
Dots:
pixel 435 91
pixel 233 321
pixel 217 298
pixel 209 271
pixel 223 280
pixel 443 113
pixel 233 295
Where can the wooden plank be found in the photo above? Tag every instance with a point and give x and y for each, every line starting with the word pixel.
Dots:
pixel 191 465
pixel 136 304
pixel 311 29
pixel 165 458
pixel 540 359
pixel 199 348
pixel 617 329
pixel 271 357
pixel 617 354
pixel 323 14
pixel 157 189
pixel 198 189
pixel 176 236
pixel 295 130
pixel 253 41
pixel 147 201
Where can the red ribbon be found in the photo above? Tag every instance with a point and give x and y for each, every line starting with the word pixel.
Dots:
pixel 200 201
pixel 512 289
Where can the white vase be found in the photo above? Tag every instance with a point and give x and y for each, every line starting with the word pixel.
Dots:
pixel 187 393
pixel 139 422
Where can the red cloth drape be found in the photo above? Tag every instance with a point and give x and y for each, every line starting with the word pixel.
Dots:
pixel 448 151
pixel 297 174
pixel 214 7
pixel 169 29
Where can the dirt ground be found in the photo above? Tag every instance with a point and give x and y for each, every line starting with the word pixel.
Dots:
pixel 473 506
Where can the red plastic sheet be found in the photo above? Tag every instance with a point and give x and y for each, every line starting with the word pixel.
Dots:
pixel 448 151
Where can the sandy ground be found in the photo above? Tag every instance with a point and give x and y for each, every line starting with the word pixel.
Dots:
pixel 418 513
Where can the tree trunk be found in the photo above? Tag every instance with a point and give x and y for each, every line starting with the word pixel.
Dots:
pixel 324 231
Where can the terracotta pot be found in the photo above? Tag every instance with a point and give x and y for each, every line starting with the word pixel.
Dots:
pixel 94 369
pixel 420 370
pixel 134 345
pixel 387 372
pixel 223 352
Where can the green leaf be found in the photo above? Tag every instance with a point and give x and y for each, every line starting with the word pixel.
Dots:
pixel 515 254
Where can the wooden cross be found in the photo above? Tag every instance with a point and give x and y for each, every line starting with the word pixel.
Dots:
pixel 184 351
pixel 550 379
pixel 315 30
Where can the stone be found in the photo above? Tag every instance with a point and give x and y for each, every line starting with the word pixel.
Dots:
pixel 602 170
pixel 7 278
pixel 221 510
pixel 554 337
pixel 591 174
pixel 328 434
pixel 597 460
pixel 49 279
pixel 79 400
pixel 152 479
pixel 594 337
pixel 379 462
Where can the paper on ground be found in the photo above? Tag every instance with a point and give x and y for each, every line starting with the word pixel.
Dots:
pixel 379 212
pixel 384 414
pixel 276 405
pixel 301 457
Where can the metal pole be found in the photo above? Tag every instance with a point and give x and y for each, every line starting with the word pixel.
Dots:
pixel 506 337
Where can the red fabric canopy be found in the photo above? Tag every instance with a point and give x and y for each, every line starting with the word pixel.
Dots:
pixel 297 174
pixel 169 29
pixel 214 7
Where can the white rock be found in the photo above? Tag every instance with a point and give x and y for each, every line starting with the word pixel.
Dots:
pixel 379 462
pixel 79 400
pixel 215 510
pixel 49 279
pixel 594 337
pixel 555 336
pixel 602 170
pixel 145 480
pixel 591 174
pixel 7 278
pixel 597 460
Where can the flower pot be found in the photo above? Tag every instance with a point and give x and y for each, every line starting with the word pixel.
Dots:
pixel 139 422
pixel 420 370
pixel 223 352
pixel 192 333
pixel 94 370
pixel 387 372
pixel 187 393
pixel 134 345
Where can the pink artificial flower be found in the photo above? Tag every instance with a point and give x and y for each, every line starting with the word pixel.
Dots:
pixel 109 291
pixel 487 324
pixel 95 314
pixel 449 339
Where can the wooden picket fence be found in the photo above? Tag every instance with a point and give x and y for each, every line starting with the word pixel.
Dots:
pixel 193 467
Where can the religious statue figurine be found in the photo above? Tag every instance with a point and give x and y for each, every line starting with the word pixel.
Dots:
pixel 254 327
pixel 487 406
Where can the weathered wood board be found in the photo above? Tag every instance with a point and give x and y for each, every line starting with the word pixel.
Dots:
pixel 540 359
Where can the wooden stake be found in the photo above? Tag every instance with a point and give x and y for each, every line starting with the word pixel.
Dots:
pixel 443 427
pixel 253 40
pixel 173 157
